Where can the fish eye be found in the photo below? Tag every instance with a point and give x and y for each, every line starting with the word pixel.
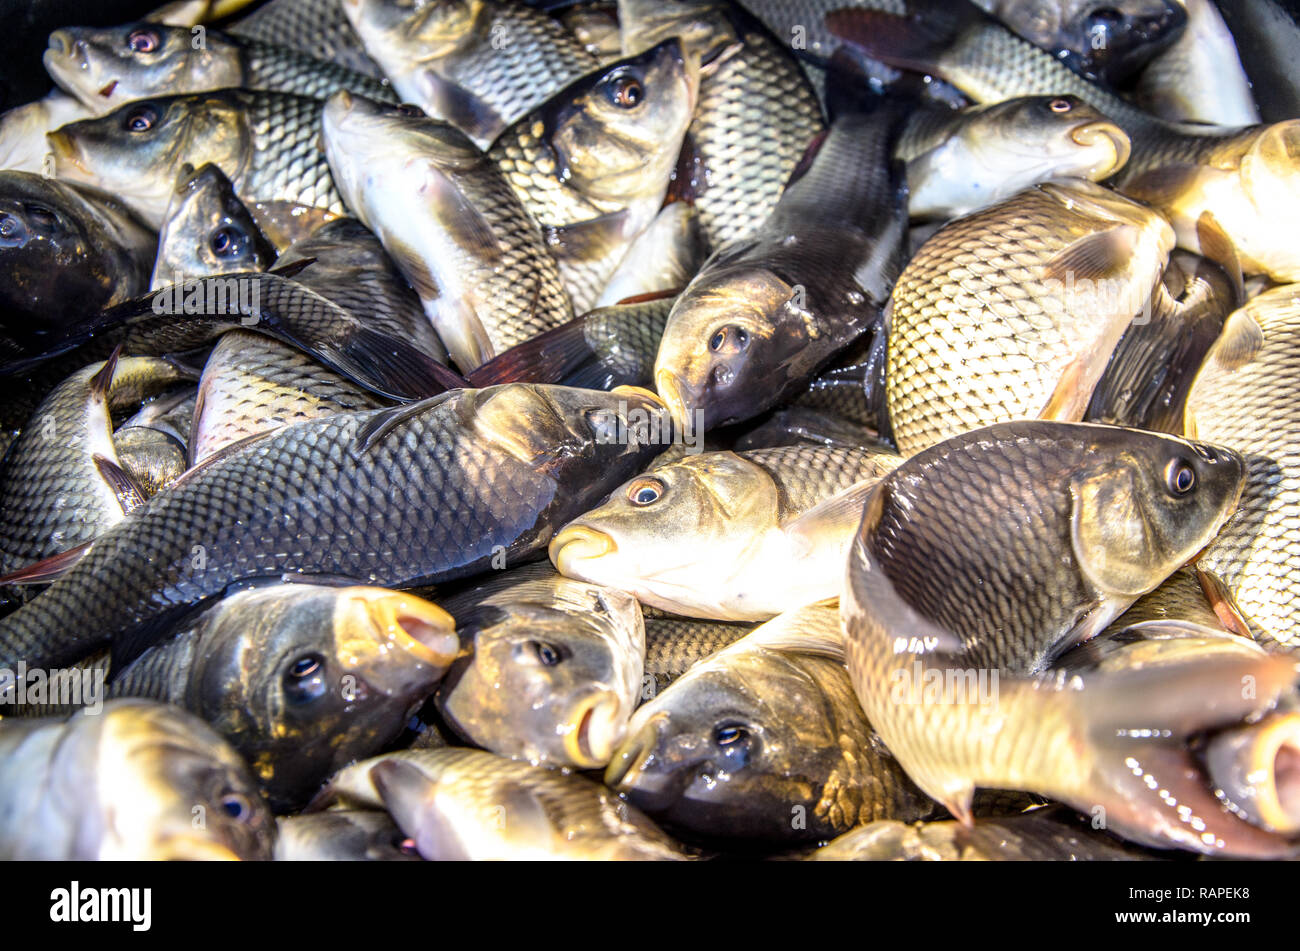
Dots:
pixel 548 655
pixel 645 491
pixel 730 735
pixel 225 242
pixel 1180 477
pixel 411 111
pixel 738 337
pixel 143 41
pixel 625 92
pixel 1060 105
pixel 304 681
pixel 141 118
pixel 237 807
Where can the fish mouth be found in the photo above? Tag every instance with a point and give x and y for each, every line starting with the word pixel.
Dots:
pixel 1270 763
pixel 182 848
pixel 394 625
pixel 577 543
pixel 630 760
pixel 65 152
pixel 595 731
pixel 1096 133
pixel 672 392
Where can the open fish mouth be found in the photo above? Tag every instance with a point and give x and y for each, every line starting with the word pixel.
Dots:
pixel 594 732
pixel 576 544
pixel 1094 133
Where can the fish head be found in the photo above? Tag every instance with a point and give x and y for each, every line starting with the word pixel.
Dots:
pixel 548 681
pixel 732 334
pixel 134 151
pixel 616 133
pixel 107 67
pixel 675 534
pixel 1270 169
pixel 332 674
pixel 208 230
pixel 1143 505
pixel 1062 135
pixel 551 427
pixel 731 746
pixel 37 230
pixel 702 25
pixel 423 30
pixel 178 789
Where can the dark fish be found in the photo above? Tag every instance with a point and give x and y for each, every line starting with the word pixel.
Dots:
pixel 318 28
pixel 675 644
pixel 341 835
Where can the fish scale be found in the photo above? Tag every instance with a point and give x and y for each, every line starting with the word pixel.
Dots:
pixel 318 28
pixel 286 164
pixel 808 475
pixel 283 69
pixel 428 501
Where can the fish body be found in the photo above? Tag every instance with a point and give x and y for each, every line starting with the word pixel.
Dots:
pixel 23 147
pixel 663 258
pixel 318 28
pixel 340 835
pixel 675 644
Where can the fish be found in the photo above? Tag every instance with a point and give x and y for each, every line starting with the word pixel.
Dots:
pixel 989 554
pixel 1048 834
pixel 1150 373
pixel 727 536
pixel 663 258
pixel 478 65
pixel 136 780
pixel 106 67
pixel 340 835
pixel 797 426
pixel 550 670
pixel 300 679
pixel 593 163
pixel 602 349
pixel 595 26
pixel 62 484
pixel 1014 311
pixel 1180 598
pixel 252 384
pixel 960 162
pixel 1200 77
pixel 1267 38
pixel 1241 398
pixel 756 116
pixel 507 465
pixel 474 256
pixel 66 251
pixel 207 231
pixel 1255 767
pixel 470 805
pixel 265 142
pixel 153 445
pixel 23 147
pixel 765 741
pixel 1110 42
pixel 318 28
pixel 675 644
pixel 344 262
pixel 1225 187
pixel 767 313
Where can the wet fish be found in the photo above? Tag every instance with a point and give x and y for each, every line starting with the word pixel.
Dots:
pixel 62 483
pixel 300 679
pixel 592 165
pixel 756 115
pixel 675 644
pixel 1256 768
pixel 1150 373
pixel 1180 598
pixel 66 252
pixel 1049 834
pixel 663 258
pixel 473 254
pixel 1268 39
pixel 253 385
pixel 266 142
pixel 1243 398
pixel 507 466
pixel 937 603
pixel 318 28
pixel 551 670
pixel 767 313
pixel 765 741
pixel 797 426
pixel 960 162
pixel 1108 41
pixel 727 536
pixel 206 230
pixel 23 147
pixel 1200 77
pixel 152 446
pixel 341 835
pixel 1232 187
pixel 1012 312
pixel 460 805
pixel 106 67
pixel 125 783
pixel 479 65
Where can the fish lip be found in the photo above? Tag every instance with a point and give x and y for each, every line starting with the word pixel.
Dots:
pixel 634 754
pixel 589 748
pixel 183 848
pixel 671 392
pixel 65 150
pixel 1091 133
pixel 420 628
pixel 1278 796
pixel 562 547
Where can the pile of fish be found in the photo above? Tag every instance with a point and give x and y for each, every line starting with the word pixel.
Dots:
pixel 474 429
